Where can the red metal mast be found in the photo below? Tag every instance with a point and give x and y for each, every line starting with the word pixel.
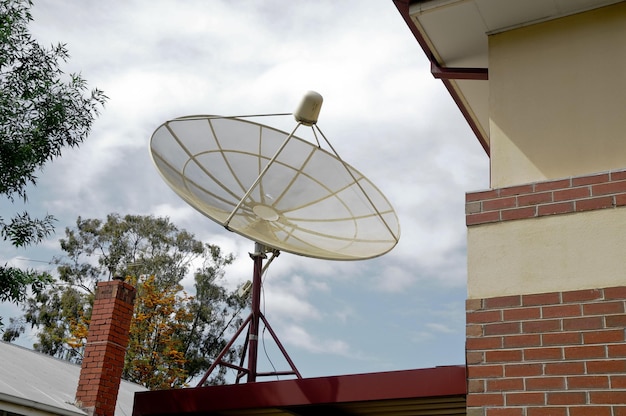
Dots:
pixel 253 321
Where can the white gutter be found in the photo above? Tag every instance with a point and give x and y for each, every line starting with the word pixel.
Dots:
pixel 32 408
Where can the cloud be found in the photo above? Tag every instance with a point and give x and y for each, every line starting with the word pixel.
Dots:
pixel 382 111
pixel 396 279
pixel 439 327
pixel 289 307
pixel 299 337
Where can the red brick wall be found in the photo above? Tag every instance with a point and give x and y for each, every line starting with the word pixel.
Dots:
pixel 584 193
pixel 557 354
pixel 105 350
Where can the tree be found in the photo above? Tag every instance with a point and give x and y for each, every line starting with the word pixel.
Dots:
pixel 42 112
pixel 155 352
pixel 174 336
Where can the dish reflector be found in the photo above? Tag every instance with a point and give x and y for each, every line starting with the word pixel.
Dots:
pixel 274 188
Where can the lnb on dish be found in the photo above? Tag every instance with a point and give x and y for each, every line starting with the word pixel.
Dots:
pixel 309 108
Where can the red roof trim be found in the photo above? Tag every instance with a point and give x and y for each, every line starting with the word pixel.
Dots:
pixel 430 382
pixel 403 8
pixel 481 139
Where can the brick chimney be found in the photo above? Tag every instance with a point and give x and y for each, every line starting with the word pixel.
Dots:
pixel 107 340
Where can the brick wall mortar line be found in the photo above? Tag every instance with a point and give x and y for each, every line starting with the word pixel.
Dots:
pixel 564 347
pixel 579 316
pixel 588 182
pixel 566 387
pixel 601 298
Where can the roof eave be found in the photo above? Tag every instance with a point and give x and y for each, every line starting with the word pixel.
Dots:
pixel 364 389
pixel 37 406
pixel 447 75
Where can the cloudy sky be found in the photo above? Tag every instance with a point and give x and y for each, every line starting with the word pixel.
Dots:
pixel 383 112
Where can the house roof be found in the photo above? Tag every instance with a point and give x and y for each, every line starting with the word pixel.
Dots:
pixel 454 37
pixel 31 381
pixel 439 390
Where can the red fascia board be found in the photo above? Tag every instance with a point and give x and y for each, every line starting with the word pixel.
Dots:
pixel 403 8
pixel 440 73
pixel 430 382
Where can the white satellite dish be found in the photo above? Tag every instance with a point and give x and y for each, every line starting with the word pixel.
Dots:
pixel 281 191
pixel 274 188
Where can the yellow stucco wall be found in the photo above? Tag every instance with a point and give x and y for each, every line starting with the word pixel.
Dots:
pixel 548 254
pixel 558 98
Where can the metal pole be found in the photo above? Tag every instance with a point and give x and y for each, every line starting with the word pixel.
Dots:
pixel 253 322
pixel 258 257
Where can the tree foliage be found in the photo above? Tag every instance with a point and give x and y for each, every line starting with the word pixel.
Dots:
pixel 42 112
pixel 155 350
pixel 174 336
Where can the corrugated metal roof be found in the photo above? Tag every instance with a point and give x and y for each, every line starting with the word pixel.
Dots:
pixel 29 379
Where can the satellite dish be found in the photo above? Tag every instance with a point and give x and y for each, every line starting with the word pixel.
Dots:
pixel 275 188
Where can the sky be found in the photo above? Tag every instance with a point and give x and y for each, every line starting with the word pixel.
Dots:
pixel 383 112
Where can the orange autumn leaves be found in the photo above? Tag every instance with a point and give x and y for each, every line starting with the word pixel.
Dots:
pixel 155 354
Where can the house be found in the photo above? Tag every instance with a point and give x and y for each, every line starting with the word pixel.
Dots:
pixel 542 85
pixel 37 384
pixel 32 383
